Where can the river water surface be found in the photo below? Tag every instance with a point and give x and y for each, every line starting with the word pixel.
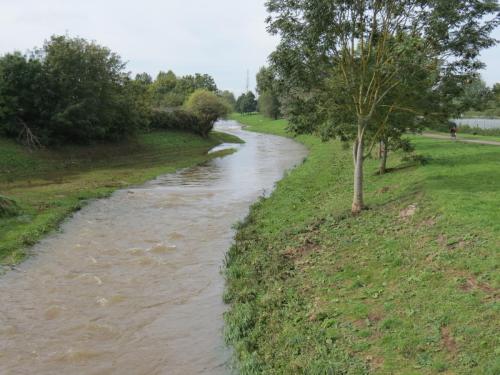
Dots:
pixel 131 284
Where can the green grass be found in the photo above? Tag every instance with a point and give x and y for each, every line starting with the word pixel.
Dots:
pixel 313 290
pixel 261 124
pixel 48 185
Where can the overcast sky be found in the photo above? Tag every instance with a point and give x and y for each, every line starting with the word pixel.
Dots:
pixel 223 38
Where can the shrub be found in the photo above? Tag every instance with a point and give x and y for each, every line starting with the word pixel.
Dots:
pixel 174 120
pixel 8 207
pixel 208 107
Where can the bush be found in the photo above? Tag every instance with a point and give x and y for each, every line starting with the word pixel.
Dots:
pixel 208 108
pixel 174 120
pixel 8 207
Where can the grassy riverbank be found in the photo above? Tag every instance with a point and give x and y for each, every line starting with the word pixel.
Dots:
pixel 49 185
pixel 408 287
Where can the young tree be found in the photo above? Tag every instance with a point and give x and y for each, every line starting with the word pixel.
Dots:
pixel 208 107
pixel 268 102
pixel 354 54
pixel 269 105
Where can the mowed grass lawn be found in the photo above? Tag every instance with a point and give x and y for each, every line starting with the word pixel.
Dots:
pixel 50 184
pixel 410 286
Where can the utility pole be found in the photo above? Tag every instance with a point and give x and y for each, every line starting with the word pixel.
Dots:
pixel 248 80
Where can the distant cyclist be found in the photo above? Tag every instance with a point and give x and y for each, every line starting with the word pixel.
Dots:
pixel 453 131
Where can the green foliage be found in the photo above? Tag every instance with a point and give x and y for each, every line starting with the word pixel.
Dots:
pixel 397 290
pixel 144 78
pixel 229 99
pixel 268 103
pixel 177 119
pixel 208 108
pixel 170 91
pixel 475 96
pixel 71 90
pixel 346 66
pixel 482 101
pixel 8 207
pixel 22 96
pixel 246 103
pixel 466 129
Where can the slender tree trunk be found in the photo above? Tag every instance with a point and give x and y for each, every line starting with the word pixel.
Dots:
pixel 383 157
pixel 358 149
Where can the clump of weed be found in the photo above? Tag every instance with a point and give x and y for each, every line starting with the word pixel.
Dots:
pixel 417 159
pixel 8 207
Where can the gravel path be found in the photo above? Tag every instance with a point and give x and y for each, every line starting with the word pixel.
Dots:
pixel 446 137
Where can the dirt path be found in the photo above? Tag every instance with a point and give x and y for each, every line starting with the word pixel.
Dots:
pixel 446 137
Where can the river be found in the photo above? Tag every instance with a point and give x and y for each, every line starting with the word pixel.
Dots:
pixel 132 284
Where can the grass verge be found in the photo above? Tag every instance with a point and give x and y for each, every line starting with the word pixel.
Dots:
pixel 48 185
pixel 468 136
pixel 408 287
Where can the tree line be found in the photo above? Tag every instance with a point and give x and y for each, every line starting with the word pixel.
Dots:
pixel 366 72
pixel 267 103
pixel 76 91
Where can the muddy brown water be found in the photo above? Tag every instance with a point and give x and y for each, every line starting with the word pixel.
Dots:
pixel 132 284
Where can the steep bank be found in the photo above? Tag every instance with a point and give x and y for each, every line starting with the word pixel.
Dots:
pixel 408 287
pixel 49 185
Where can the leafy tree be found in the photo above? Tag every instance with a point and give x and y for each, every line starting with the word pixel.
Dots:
pixel 71 90
pixel 22 98
pixel 246 103
pixel 343 59
pixel 475 96
pixel 496 91
pixel 144 78
pixel 204 82
pixel 268 103
pixel 208 107
pixel 162 90
pixel 171 91
pixel 86 88
pixel 229 98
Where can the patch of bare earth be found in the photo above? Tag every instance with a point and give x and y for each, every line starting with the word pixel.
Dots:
pixel 383 190
pixel 448 244
pixel 408 212
pixel 428 223
pixel 472 284
pixel 294 253
pixel 375 362
pixel 448 341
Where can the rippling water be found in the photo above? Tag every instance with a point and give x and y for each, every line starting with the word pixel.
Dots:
pixel 132 284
